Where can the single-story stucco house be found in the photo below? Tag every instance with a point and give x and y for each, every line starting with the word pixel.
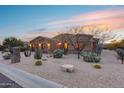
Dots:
pixel 64 41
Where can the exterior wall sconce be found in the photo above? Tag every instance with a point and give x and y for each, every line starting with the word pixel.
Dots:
pixel 59 43
pixel 65 45
pixel 29 45
pixel 39 44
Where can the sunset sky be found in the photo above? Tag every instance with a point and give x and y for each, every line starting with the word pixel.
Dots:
pixel 27 22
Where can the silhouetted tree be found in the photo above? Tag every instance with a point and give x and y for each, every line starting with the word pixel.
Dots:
pixel 12 42
pixel 74 38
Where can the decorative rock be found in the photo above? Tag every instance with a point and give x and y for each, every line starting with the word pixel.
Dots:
pixel 44 59
pixel 15 55
pixel 67 68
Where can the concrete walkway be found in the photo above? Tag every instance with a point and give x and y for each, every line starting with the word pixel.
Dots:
pixel 25 79
pixel 5 82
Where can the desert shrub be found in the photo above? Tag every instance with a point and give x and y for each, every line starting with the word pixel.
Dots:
pixel 2 48
pixel 38 53
pixel 38 63
pixel 58 53
pixel 6 55
pixel 85 53
pixel 120 53
pixel 97 66
pixel 90 56
pixel 5 50
pixel 115 44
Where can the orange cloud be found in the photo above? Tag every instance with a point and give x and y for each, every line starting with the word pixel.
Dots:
pixel 115 18
pixel 31 35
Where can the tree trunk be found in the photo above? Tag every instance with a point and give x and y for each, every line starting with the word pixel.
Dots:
pixel 78 54
pixel 122 60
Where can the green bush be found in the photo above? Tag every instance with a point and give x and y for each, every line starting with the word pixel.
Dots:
pixel 90 56
pixel 85 53
pixel 97 66
pixel 58 53
pixel 38 63
pixel 38 53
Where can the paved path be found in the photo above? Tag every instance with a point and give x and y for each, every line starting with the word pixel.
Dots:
pixel 25 79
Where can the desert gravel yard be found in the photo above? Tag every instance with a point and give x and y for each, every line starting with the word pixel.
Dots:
pixel 110 75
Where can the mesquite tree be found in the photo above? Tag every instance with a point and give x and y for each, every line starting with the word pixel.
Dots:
pixel 76 40
pixel 101 31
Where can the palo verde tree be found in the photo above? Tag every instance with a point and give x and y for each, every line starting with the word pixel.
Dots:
pixel 101 31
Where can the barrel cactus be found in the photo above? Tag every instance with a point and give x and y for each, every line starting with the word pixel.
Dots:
pixel 58 53
pixel 97 66
pixel 38 63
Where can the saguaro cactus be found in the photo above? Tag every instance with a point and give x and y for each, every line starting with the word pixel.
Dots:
pixel 38 53
pixel 38 56
pixel 27 52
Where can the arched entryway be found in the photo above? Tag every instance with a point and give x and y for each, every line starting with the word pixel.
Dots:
pixel 45 47
pixel 65 47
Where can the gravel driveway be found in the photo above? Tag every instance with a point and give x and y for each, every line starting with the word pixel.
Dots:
pixel 85 76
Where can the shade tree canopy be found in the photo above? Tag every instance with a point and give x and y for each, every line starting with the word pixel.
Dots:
pixel 12 42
